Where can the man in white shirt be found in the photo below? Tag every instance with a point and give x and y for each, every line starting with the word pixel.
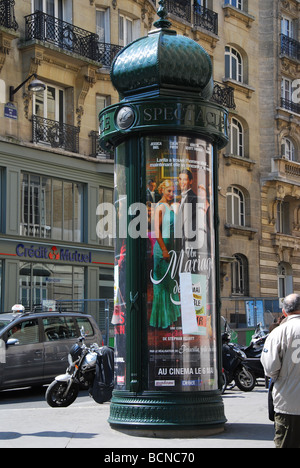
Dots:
pixel 281 361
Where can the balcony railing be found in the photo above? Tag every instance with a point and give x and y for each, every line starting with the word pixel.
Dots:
pixel 200 16
pixel 54 31
pixel 180 8
pixel 7 14
pixel 107 52
pixel 205 18
pixel 223 95
pixel 97 151
pixel 290 47
pixel 290 105
pixel 55 134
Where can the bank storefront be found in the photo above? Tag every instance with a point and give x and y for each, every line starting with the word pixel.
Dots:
pixel 48 275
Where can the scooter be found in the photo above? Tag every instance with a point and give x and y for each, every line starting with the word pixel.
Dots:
pixel 235 367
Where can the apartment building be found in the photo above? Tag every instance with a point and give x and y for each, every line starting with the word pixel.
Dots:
pixel 53 173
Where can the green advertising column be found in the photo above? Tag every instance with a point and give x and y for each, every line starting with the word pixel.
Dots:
pixel 166 134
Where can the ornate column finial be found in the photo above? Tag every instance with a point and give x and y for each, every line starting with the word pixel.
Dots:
pixel 162 13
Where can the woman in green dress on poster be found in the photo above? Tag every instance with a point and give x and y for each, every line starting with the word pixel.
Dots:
pixel 166 302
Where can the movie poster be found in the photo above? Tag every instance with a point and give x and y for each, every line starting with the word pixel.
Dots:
pixel 181 296
pixel 119 314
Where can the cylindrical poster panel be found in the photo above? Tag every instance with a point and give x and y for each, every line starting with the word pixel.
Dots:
pixel 181 294
pixel 177 224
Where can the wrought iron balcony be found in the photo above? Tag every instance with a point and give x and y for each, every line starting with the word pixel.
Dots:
pixel 7 14
pixel 107 52
pixel 55 134
pixel 97 151
pixel 290 47
pixel 54 31
pixel 205 18
pixel 223 95
pixel 290 105
pixel 202 17
pixel 180 8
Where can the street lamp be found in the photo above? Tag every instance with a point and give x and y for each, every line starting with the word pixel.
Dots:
pixel 35 86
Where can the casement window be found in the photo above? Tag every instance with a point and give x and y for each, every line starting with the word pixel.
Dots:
pixel 233 64
pixel 283 217
pixel 285 279
pixel 288 150
pixel 51 208
pixel 235 3
pixel 239 275
pixel 236 138
pixel 125 30
pixel 235 214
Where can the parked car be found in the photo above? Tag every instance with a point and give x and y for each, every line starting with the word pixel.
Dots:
pixel 34 347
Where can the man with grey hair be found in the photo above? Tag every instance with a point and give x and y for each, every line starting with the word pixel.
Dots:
pixel 281 361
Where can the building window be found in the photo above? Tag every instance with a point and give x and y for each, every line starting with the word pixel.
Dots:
pixel 41 282
pixel 125 30
pixel 285 279
pixel 236 138
pixel 235 3
pixel 103 25
pixel 50 104
pixel 283 218
pixel 288 149
pixel 287 27
pixel 235 207
pixel 239 275
pixel 233 64
pixel 106 236
pixel 51 208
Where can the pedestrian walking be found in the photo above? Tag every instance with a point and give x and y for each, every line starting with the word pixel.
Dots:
pixel 281 361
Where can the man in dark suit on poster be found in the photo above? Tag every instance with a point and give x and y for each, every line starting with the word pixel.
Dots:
pixel 188 209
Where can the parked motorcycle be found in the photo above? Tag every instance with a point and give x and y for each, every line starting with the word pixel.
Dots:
pixel 254 350
pixel 63 391
pixel 235 367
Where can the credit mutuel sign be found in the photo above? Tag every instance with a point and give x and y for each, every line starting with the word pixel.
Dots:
pixel 52 253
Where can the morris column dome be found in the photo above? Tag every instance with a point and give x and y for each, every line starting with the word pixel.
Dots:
pixel 162 62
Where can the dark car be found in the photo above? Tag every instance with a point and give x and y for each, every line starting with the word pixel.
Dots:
pixel 34 347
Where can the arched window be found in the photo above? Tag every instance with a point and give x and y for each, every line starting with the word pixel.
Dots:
pixel 283 217
pixel 233 64
pixel 236 138
pixel 235 201
pixel 285 279
pixel 239 275
pixel 288 149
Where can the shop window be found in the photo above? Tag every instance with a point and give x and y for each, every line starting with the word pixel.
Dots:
pixel 51 208
pixel 42 282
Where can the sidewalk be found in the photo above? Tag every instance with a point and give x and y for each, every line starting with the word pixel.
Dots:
pixel 84 425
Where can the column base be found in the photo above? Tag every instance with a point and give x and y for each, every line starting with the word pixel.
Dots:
pixel 168 415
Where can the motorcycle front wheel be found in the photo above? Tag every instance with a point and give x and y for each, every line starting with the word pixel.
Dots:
pixel 244 379
pixel 55 394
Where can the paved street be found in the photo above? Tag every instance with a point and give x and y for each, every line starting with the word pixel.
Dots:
pixel 27 421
